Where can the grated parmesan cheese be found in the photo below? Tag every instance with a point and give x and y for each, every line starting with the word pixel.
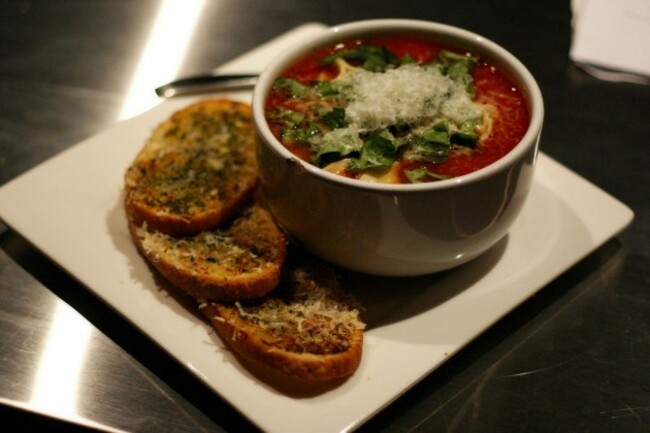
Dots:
pixel 238 248
pixel 313 316
pixel 408 94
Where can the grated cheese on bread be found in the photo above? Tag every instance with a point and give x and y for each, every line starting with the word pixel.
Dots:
pixel 241 259
pixel 308 328
pixel 195 171
pixel 190 216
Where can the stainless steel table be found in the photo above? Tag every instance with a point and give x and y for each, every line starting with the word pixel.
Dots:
pixel 66 68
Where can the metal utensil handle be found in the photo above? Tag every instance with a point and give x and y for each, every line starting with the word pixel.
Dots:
pixel 206 84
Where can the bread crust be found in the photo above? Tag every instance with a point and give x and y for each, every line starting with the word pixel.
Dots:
pixel 192 213
pixel 196 169
pixel 283 351
pixel 239 260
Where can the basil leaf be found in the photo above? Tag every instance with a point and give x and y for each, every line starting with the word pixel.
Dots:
pixel 399 130
pixel 379 60
pixel 291 87
pixel 439 134
pixel 377 152
pixel 457 64
pixel 334 118
pixel 458 67
pixel 374 59
pixel 329 89
pixel 289 118
pixel 466 135
pixel 337 144
pixel 432 146
pixel 420 175
pixel 407 59
pixel 422 150
pixel 301 134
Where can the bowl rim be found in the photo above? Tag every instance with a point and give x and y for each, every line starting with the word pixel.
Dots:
pixel 527 84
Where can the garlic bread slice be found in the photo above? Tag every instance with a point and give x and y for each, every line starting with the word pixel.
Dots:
pixel 195 170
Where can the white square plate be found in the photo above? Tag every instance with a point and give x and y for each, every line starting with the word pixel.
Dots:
pixel 70 207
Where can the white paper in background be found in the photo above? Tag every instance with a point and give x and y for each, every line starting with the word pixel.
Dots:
pixel 612 38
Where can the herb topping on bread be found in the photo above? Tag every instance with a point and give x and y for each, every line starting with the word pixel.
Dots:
pixel 241 259
pixel 192 215
pixel 196 169
pixel 308 328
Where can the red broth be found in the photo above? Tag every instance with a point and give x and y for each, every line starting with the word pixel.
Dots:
pixel 509 116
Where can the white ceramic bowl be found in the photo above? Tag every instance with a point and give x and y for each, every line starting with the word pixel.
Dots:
pixel 388 229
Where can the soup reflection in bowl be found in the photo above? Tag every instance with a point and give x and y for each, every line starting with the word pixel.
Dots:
pixel 397 147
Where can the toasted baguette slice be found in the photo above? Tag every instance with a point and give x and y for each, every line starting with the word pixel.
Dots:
pixel 195 171
pixel 240 260
pixel 306 329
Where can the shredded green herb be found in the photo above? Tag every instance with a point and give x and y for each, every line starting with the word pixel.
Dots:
pixel 332 134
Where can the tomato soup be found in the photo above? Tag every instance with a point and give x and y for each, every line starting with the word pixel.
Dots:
pixel 399 110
